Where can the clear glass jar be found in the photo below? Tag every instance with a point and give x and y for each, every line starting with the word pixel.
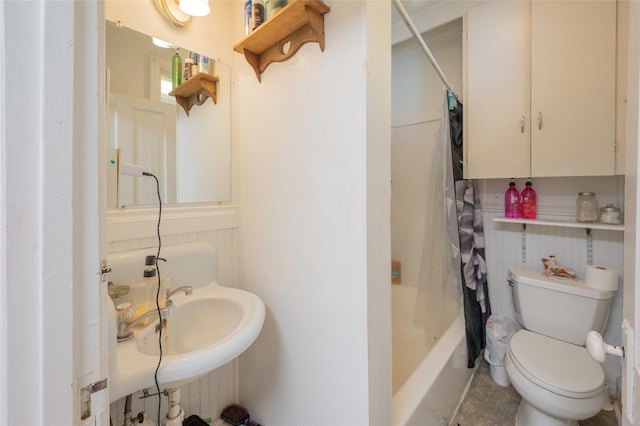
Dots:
pixel 586 207
pixel 610 214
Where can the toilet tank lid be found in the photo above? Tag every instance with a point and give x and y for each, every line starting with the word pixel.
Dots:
pixel 565 285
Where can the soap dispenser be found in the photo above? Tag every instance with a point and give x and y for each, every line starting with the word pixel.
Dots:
pixel 528 202
pixel 512 201
pixel 138 297
pixel 150 275
pixel 143 292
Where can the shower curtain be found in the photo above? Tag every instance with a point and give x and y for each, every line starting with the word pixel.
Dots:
pixel 453 270
pixel 467 234
pixel 437 299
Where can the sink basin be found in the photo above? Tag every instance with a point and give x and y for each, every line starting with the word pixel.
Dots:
pixel 192 325
pixel 203 331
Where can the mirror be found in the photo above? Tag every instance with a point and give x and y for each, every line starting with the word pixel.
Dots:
pixel 190 155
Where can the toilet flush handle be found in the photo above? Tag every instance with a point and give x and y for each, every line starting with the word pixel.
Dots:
pixel 598 349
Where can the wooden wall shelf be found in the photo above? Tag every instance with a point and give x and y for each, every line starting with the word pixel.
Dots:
pixel 280 37
pixel 196 91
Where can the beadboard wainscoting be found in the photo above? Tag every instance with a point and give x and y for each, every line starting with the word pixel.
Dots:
pixel 217 225
pixel 504 243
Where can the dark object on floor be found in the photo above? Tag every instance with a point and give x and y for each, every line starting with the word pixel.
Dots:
pixel 235 414
pixel 194 420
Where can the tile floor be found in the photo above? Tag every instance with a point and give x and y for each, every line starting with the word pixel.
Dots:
pixel 489 404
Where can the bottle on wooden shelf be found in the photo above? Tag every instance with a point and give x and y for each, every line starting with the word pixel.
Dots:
pixel 257 13
pixel 176 71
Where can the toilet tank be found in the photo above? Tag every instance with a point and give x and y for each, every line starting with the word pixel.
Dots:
pixel 561 308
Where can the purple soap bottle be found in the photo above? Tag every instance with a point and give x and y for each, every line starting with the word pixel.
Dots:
pixel 512 201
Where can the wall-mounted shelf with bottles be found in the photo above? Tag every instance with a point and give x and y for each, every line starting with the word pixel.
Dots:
pixel 196 91
pixel 280 37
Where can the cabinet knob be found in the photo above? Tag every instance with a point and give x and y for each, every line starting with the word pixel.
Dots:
pixel 522 124
pixel 539 121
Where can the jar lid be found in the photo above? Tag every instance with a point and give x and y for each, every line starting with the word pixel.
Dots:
pixel 610 208
pixel 587 194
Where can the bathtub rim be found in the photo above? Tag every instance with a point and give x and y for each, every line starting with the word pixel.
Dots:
pixel 411 394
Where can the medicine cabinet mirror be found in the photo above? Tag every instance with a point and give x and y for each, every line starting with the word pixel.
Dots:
pixel 190 155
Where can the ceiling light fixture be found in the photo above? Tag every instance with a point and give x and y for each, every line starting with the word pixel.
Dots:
pixel 195 7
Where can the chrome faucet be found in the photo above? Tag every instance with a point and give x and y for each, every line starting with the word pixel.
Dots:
pixel 187 289
pixel 124 328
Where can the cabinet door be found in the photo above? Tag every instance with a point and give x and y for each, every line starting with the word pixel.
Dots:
pixel 573 45
pixel 497 101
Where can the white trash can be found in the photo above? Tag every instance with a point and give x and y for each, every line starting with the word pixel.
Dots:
pixel 499 333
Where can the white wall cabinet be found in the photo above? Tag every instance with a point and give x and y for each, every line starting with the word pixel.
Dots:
pixel 540 89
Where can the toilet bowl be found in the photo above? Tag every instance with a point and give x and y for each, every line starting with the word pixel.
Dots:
pixel 559 382
pixel 547 363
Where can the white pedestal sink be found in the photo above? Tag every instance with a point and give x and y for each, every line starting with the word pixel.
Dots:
pixel 203 331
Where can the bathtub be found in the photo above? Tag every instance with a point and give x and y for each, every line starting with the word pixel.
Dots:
pixel 429 393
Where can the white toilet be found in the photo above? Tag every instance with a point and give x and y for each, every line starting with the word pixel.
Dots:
pixel 547 362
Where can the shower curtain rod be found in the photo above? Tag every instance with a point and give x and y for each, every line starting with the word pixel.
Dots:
pixel 416 34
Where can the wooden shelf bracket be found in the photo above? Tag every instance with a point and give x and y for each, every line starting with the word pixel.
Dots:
pixel 196 91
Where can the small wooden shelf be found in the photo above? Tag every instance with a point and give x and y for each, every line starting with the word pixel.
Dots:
pixel 280 37
pixel 564 224
pixel 196 91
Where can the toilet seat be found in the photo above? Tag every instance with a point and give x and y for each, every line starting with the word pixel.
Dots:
pixel 562 368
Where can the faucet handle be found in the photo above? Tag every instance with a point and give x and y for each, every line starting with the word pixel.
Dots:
pixel 124 313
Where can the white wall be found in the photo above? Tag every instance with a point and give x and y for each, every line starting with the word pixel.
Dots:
pixel 631 408
pixel 438 13
pixel 128 59
pixel 52 210
pixel 211 35
pixel 378 154
pixel 409 61
pixel 307 247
